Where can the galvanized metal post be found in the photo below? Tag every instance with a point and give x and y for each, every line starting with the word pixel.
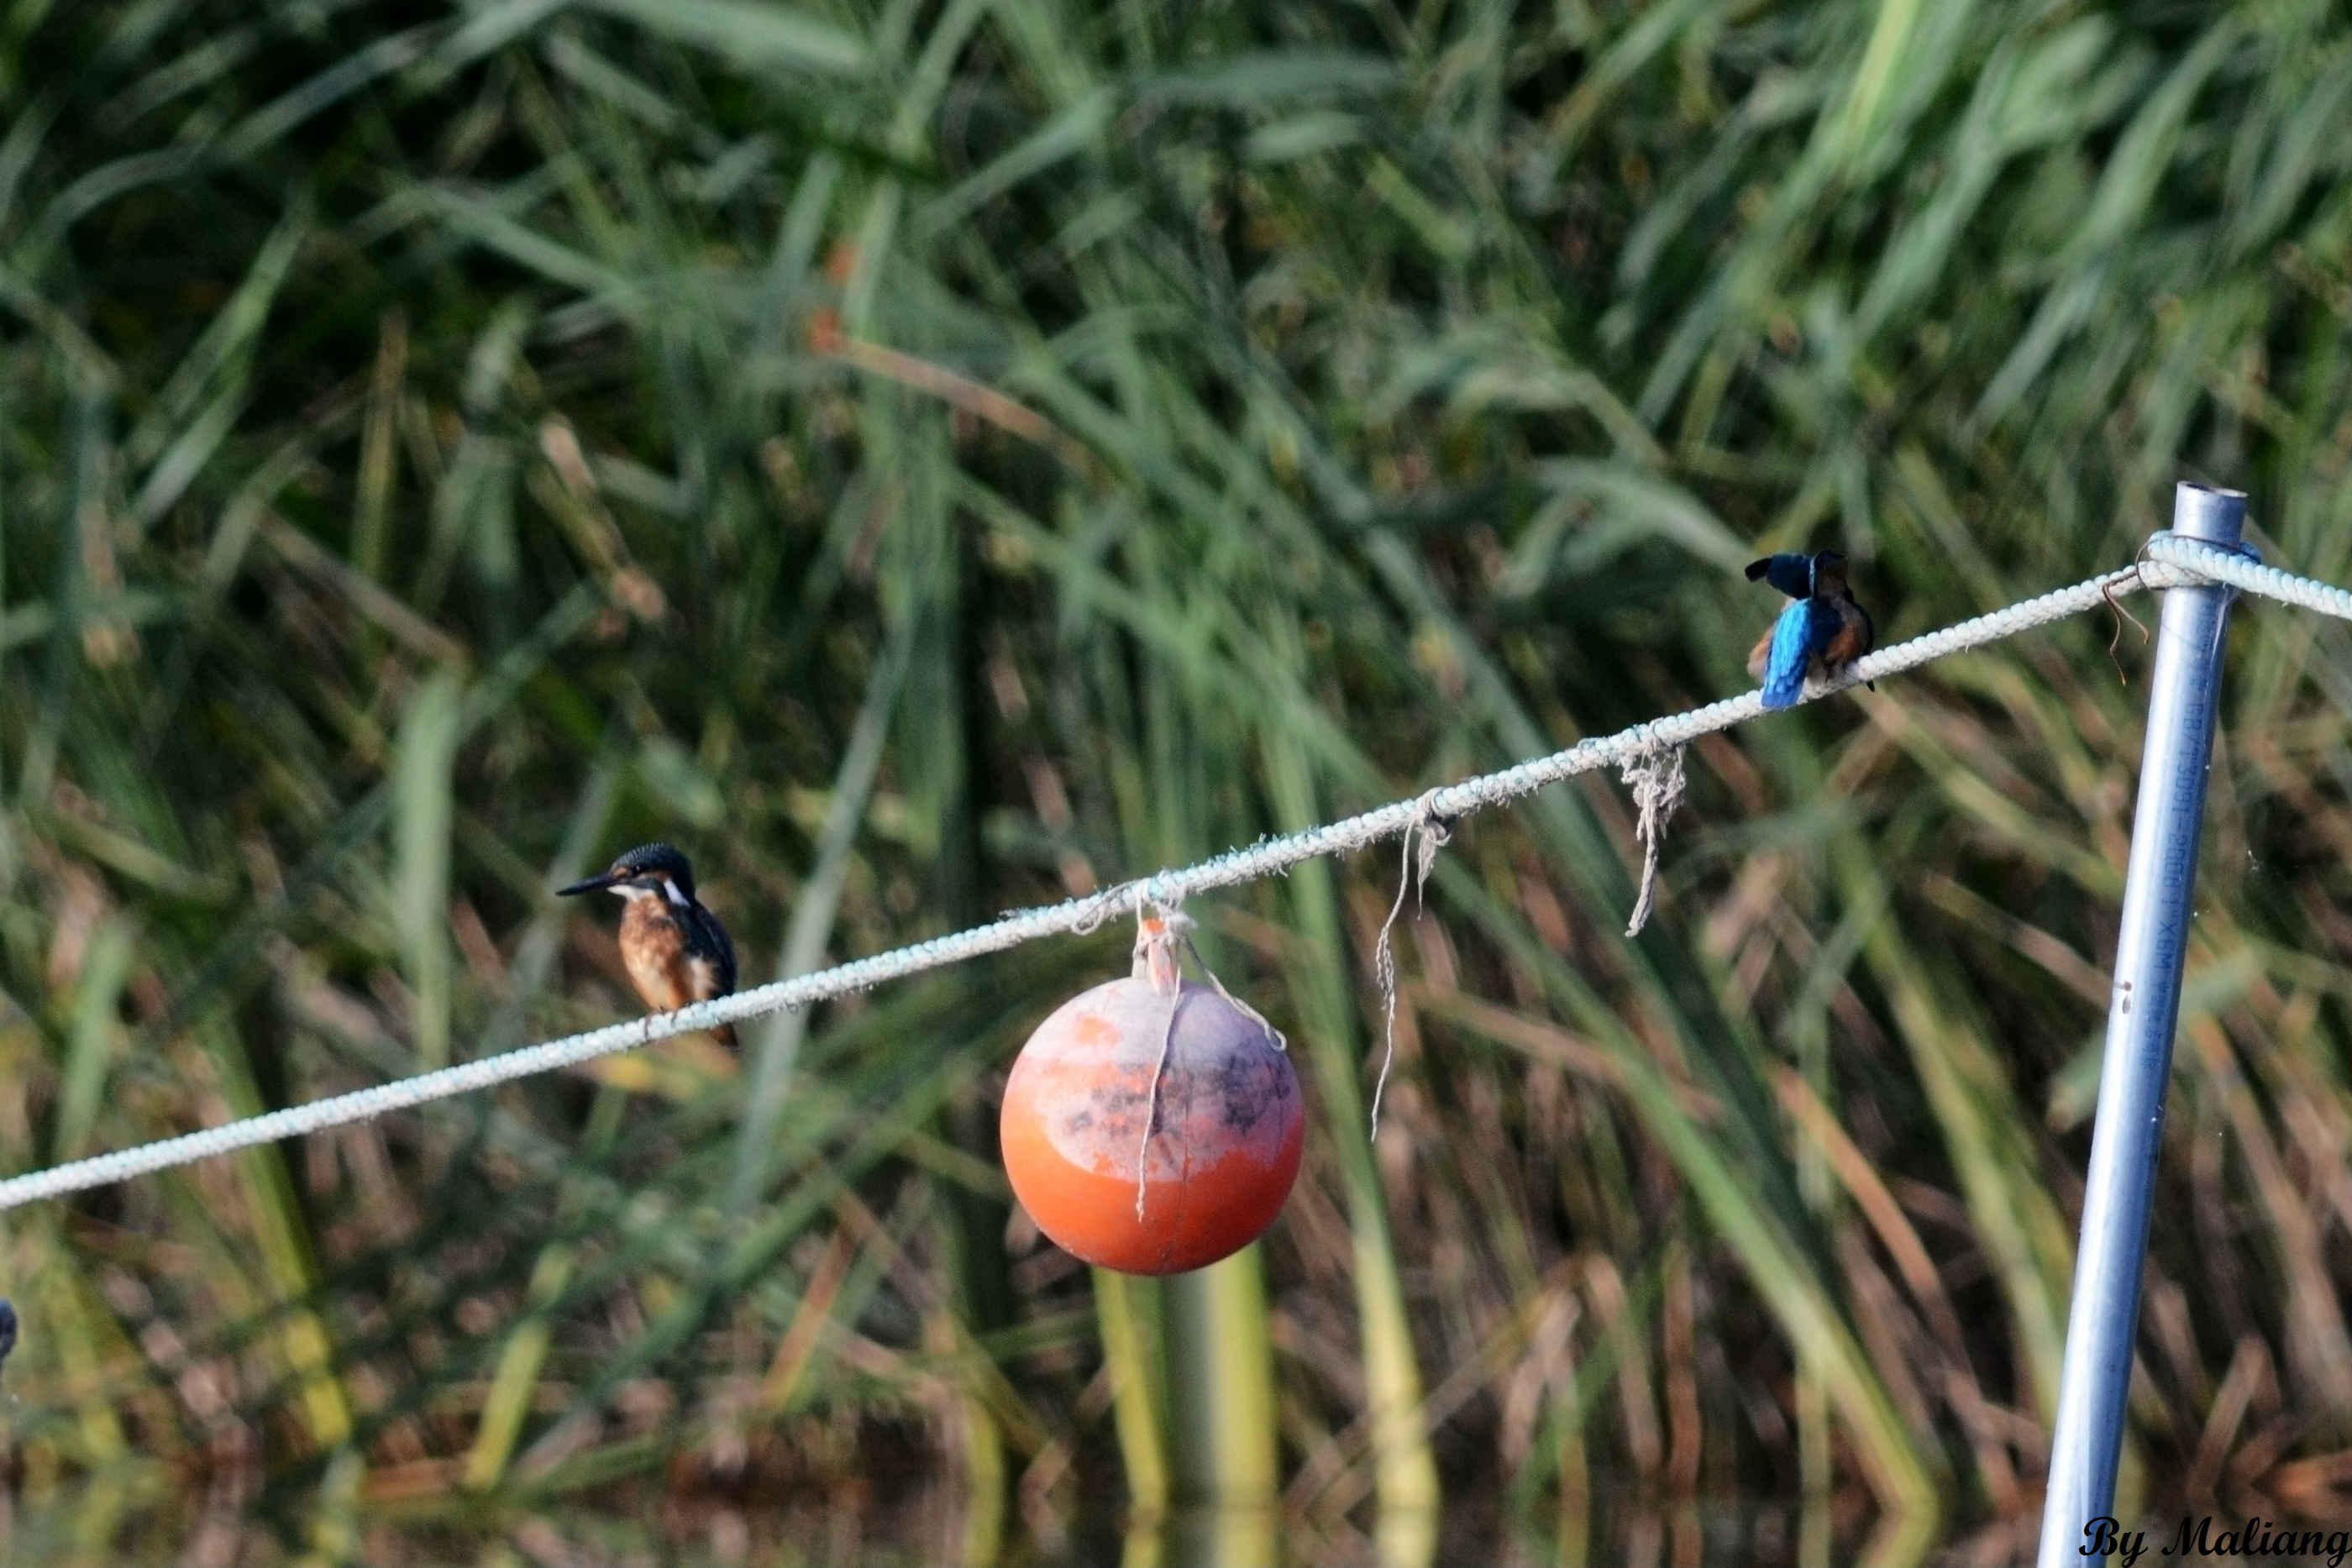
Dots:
pixel 2142 1011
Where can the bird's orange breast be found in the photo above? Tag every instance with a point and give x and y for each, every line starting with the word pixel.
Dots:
pixel 653 950
pixel 1849 642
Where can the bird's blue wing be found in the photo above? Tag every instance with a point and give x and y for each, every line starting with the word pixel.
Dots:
pixel 1793 639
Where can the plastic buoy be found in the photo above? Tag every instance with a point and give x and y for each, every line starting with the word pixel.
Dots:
pixel 1207 1076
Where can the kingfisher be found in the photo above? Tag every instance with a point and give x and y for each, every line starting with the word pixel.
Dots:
pixel 1825 629
pixel 675 950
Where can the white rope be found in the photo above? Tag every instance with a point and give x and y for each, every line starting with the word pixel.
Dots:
pixel 2245 572
pixel 2169 563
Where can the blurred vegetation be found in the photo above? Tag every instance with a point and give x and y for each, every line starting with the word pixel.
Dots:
pixel 927 458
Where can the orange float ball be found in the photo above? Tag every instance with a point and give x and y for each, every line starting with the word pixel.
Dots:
pixel 1225 1143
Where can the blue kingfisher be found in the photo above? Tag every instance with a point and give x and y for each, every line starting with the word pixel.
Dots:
pixel 1824 628
pixel 675 950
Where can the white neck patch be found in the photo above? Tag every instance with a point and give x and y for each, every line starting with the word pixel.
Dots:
pixel 669 891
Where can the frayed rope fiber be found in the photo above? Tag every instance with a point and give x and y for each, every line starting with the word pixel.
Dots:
pixel 2167 561
pixel 1431 832
pixel 1657 784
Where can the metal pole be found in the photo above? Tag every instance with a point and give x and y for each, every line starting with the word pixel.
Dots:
pixel 2141 1014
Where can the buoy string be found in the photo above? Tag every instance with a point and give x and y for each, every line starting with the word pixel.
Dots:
pixel 1156 937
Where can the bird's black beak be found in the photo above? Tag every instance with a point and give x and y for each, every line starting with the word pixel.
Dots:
pixel 601 879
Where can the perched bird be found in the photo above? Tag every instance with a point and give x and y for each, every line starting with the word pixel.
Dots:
pixel 1823 631
pixel 675 950
pixel 7 1327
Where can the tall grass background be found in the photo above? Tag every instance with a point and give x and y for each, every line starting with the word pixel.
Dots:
pixel 927 458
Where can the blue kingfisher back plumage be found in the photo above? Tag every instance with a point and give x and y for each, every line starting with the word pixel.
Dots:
pixel 675 950
pixel 1825 629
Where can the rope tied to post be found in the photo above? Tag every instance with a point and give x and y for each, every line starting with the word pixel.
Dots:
pixel 2169 562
